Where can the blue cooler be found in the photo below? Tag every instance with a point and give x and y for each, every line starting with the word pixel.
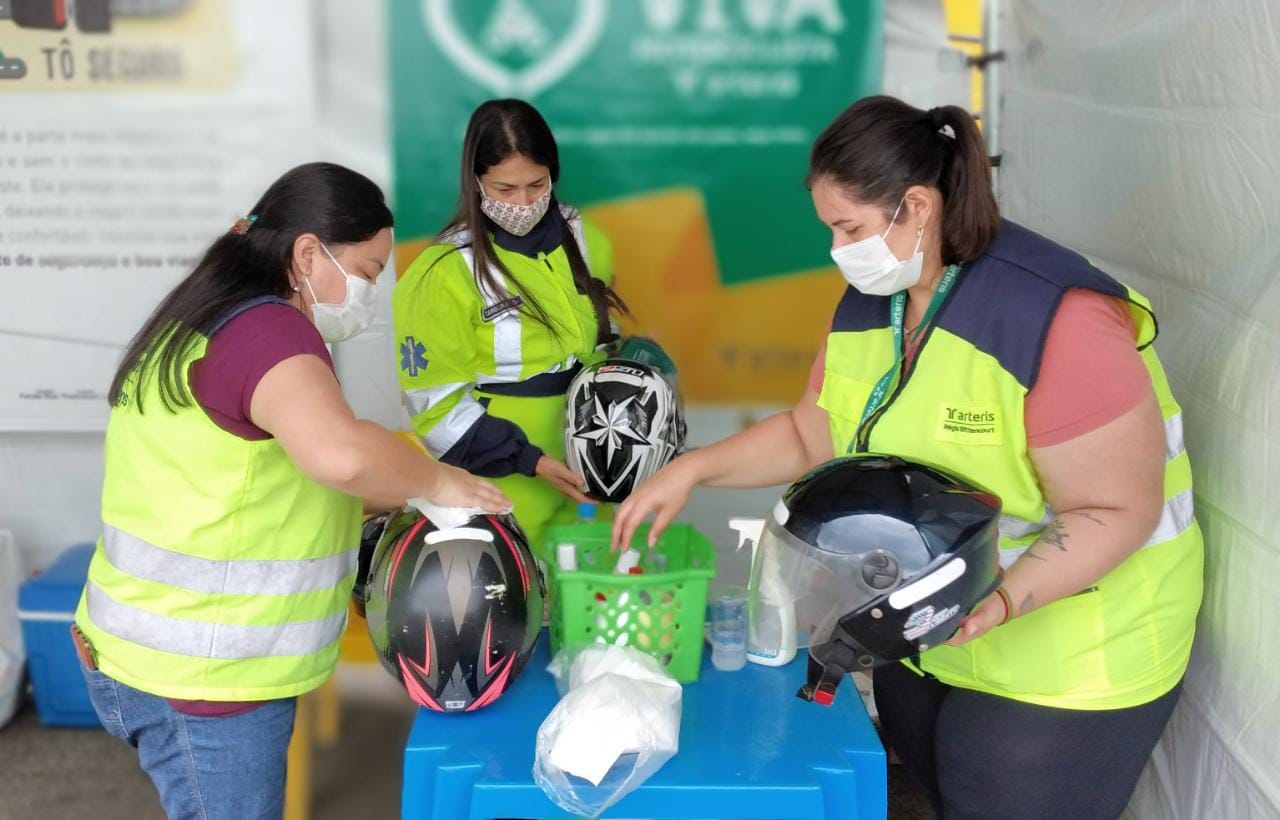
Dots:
pixel 46 608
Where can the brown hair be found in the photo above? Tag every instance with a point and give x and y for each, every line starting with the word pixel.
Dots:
pixel 880 146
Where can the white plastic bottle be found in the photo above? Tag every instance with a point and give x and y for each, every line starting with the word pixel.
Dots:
pixel 771 631
pixel 567 557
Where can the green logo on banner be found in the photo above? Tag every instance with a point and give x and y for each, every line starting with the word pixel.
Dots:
pixel 509 47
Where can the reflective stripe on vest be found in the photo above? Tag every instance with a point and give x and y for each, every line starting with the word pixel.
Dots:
pixel 569 365
pixel 554 382
pixel 508 355
pixel 1014 527
pixel 1173 443
pixel 507 344
pixel 455 424
pixel 199 639
pixel 134 556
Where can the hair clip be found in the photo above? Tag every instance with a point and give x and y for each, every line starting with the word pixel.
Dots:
pixel 243 225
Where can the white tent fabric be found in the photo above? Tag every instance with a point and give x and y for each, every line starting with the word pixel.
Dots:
pixel 1146 135
pixel 12 654
pixel 920 66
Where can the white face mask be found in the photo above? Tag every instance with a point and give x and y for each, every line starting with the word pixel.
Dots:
pixel 337 323
pixel 515 219
pixel 871 267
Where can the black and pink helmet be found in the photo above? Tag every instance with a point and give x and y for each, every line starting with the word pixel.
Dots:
pixel 454 614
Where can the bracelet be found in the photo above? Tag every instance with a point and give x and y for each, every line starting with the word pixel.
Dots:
pixel 1008 605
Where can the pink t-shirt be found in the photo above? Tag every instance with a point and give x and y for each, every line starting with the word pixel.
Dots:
pixel 1090 372
pixel 237 357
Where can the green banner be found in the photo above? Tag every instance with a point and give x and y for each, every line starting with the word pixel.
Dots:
pixel 721 96
pixel 684 129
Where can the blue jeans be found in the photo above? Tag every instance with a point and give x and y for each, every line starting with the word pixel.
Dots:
pixel 205 768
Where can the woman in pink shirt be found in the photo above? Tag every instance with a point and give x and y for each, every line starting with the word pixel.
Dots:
pixel 1052 693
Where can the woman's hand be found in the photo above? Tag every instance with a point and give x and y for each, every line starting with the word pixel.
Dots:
pixel 562 478
pixel 458 488
pixel 664 495
pixel 987 615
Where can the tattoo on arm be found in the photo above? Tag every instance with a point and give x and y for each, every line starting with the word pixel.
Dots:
pixel 1027 603
pixel 1055 534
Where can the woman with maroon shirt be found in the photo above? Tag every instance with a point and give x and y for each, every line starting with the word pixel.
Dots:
pixel 231 503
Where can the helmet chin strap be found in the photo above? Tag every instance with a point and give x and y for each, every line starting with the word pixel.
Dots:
pixel 840 657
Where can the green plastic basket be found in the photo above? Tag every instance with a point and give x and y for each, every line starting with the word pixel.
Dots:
pixel 660 612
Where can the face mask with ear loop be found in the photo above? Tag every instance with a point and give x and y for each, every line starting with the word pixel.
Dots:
pixel 339 322
pixel 870 267
pixel 516 220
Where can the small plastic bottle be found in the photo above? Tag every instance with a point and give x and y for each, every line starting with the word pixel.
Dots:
pixel 567 557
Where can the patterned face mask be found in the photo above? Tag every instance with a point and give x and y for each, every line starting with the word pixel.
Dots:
pixel 514 219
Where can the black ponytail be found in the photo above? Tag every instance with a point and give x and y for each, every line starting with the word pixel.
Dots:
pixel 880 146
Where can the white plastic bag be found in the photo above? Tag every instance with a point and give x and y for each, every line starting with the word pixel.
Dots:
pixel 617 723
pixel 12 655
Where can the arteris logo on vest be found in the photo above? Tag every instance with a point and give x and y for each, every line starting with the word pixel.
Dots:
pixel 970 424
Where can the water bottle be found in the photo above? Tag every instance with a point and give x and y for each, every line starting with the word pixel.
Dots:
pixel 565 556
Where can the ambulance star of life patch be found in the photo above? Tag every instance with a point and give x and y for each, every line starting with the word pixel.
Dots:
pixel 413 356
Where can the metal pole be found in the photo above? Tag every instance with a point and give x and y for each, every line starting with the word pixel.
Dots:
pixel 992 87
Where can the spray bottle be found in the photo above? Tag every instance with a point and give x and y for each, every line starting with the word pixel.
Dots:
pixel 771 634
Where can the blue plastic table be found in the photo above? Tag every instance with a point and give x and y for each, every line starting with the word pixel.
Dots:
pixel 749 748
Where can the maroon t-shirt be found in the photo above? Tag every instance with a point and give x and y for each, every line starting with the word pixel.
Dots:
pixel 241 353
pixel 237 357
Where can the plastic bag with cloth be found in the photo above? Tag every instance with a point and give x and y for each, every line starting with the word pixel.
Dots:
pixel 617 723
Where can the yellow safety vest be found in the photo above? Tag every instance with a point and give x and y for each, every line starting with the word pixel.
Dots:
pixel 1127 639
pixel 223 572
pixel 458 339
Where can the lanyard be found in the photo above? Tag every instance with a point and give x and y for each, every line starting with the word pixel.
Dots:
pixel 897 311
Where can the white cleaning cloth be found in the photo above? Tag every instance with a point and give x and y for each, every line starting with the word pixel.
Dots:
pixel 448 518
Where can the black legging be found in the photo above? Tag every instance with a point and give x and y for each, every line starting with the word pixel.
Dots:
pixel 988 757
